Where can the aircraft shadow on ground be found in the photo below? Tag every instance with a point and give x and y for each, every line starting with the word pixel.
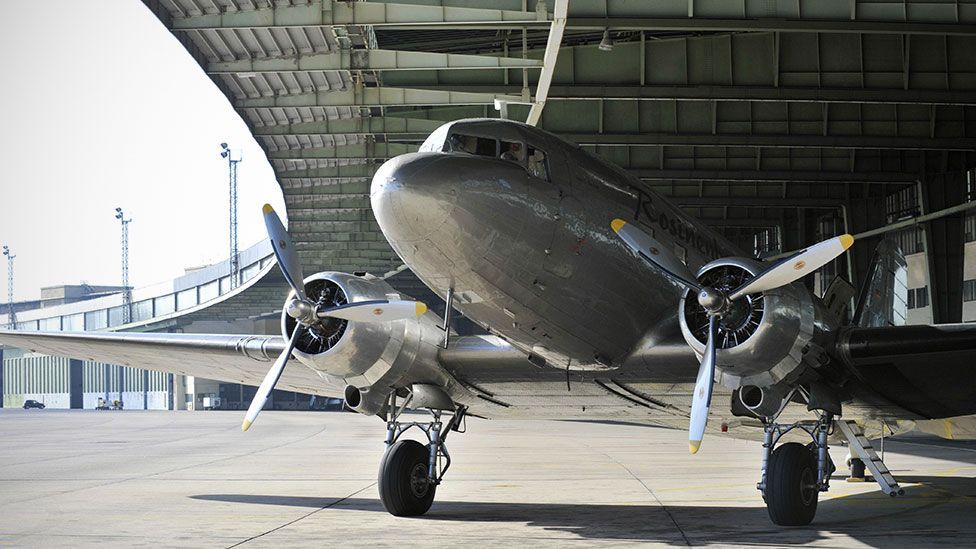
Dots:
pixel 963 451
pixel 871 518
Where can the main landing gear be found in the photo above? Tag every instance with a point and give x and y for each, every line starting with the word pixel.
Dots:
pixel 410 471
pixel 794 474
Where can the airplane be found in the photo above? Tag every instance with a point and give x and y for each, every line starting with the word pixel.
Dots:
pixel 601 300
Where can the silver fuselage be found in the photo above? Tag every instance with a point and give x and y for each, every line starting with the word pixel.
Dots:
pixel 534 260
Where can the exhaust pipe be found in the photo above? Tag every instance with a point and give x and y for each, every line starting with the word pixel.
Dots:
pixel 365 401
pixel 762 401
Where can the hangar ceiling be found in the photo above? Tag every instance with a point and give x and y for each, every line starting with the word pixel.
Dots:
pixel 752 114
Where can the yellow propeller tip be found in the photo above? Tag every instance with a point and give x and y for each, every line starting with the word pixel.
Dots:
pixel 617 224
pixel 421 308
pixel 846 240
pixel 267 209
pixel 693 446
pixel 246 425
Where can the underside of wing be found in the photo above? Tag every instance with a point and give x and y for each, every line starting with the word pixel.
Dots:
pixel 230 358
pixel 926 370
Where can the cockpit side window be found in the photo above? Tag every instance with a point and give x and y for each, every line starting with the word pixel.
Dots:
pixel 538 164
pixel 513 151
pixel 481 146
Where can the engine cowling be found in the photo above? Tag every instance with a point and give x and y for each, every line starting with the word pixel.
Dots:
pixel 363 360
pixel 764 339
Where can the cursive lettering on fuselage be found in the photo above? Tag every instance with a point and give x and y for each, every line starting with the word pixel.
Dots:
pixel 649 215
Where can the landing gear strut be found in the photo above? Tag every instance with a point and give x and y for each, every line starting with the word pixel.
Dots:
pixel 793 475
pixel 410 471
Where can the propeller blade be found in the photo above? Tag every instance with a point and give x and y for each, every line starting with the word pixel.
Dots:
pixel 376 311
pixel 654 253
pixel 285 252
pixel 270 380
pixel 795 267
pixel 702 398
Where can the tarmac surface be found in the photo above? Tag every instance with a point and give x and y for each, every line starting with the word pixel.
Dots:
pixel 132 479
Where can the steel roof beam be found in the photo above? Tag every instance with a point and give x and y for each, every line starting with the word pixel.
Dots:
pixel 699 24
pixel 773 141
pixel 377 14
pixel 362 125
pixel 374 97
pixel 751 222
pixel 356 171
pixel 755 93
pixel 288 184
pixel 759 94
pixel 384 137
pixel 756 201
pixel 439 16
pixel 376 60
pixel 361 152
pixel 773 176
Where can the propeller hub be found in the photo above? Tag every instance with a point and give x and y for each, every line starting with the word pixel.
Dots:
pixel 712 300
pixel 302 311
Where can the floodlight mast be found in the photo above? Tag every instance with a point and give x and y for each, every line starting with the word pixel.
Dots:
pixel 11 315
pixel 235 260
pixel 126 290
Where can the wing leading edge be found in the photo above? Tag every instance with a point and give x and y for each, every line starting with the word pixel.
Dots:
pixel 230 358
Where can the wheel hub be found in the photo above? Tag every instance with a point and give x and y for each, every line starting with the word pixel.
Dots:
pixel 808 485
pixel 419 482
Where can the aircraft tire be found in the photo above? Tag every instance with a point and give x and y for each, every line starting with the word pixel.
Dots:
pixel 791 493
pixel 403 485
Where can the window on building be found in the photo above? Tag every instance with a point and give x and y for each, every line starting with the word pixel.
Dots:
pixel 969 228
pixel 902 204
pixel 918 297
pixel 922 297
pixel 766 242
pixel 971 185
pixel 969 290
pixel 910 240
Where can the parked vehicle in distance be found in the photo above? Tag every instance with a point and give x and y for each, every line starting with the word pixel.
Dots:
pixel 28 404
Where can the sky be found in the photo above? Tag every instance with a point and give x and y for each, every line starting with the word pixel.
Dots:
pixel 100 108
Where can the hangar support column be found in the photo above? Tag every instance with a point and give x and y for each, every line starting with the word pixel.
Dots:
pixel 76 388
pixel 944 186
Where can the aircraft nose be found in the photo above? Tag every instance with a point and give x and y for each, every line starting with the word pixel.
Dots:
pixel 411 197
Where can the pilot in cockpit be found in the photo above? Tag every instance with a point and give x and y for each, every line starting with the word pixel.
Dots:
pixel 513 152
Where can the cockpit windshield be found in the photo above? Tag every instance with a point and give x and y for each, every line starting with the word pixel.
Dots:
pixel 481 146
pixel 530 158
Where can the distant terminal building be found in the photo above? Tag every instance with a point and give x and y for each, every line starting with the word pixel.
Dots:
pixel 201 301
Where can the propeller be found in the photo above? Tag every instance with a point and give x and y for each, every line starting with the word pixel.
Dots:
pixel 307 314
pixel 716 302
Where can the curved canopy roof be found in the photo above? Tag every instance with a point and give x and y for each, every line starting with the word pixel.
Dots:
pixel 748 112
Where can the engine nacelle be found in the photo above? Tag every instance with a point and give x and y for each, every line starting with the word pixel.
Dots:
pixel 366 356
pixel 765 338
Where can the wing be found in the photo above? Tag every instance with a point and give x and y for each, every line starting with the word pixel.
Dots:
pixel 925 370
pixel 230 358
